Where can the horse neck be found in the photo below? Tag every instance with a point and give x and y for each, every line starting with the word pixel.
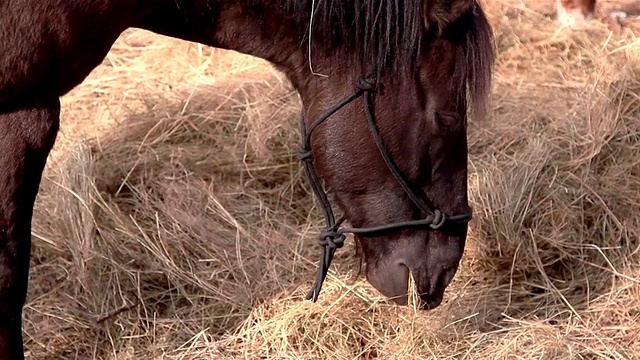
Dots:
pixel 264 32
pixel 251 27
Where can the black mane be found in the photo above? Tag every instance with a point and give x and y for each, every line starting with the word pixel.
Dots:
pixel 386 33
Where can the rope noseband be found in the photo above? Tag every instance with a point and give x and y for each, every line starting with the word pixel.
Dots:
pixel 333 237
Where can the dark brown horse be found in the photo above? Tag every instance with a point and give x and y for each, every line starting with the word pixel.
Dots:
pixel 393 153
pixel 575 11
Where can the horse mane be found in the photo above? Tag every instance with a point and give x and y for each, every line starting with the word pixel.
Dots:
pixel 386 35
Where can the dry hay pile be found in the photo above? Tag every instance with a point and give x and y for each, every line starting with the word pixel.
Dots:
pixel 173 221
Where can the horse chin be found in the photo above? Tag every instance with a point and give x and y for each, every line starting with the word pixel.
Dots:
pixel 391 280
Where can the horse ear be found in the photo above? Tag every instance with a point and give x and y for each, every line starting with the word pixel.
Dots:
pixel 440 13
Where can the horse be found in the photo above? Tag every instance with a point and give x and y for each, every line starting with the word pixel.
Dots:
pixel 575 12
pixel 570 12
pixel 387 87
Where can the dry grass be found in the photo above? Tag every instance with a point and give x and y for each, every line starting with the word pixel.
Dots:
pixel 173 222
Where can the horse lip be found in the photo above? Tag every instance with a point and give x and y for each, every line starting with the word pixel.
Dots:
pixel 430 303
pixel 392 282
pixel 400 300
pixel 403 299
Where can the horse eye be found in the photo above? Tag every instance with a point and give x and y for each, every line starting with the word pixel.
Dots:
pixel 447 120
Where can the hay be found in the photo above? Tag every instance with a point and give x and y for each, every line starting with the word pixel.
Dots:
pixel 177 226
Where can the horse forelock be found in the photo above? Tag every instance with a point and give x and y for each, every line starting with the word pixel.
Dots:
pixel 479 60
pixel 472 39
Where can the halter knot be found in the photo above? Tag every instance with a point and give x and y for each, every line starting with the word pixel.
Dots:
pixel 305 155
pixel 365 84
pixel 331 239
pixel 439 219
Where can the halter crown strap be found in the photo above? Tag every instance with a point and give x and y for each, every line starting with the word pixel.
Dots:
pixel 333 237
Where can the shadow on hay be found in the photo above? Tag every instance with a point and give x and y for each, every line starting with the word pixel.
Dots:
pixel 177 223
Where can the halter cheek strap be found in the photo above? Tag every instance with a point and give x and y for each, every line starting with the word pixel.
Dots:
pixel 333 237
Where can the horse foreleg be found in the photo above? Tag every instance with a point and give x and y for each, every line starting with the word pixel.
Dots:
pixel 26 137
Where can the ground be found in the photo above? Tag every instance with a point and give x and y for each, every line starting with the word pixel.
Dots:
pixel 173 221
